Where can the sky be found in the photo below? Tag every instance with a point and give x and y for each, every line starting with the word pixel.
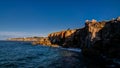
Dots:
pixel 23 18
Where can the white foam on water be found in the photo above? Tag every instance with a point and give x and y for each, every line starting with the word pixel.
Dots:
pixel 72 49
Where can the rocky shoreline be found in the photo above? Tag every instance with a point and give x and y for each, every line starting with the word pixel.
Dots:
pixel 97 40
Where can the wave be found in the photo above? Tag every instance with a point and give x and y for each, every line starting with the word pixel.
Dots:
pixel 71 49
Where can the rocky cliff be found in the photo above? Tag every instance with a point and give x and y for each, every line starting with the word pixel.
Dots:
pixel 100 40
pixel 88 36
pixel 78 38
pixel 103 41
pixel 96 39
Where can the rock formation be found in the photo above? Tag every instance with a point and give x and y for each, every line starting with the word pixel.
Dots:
pixel 62 37
pixel 100 40
pixel 96 39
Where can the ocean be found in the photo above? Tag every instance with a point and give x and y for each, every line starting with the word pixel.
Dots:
pixel 24 55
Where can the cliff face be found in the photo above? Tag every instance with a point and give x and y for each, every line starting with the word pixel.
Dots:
pixel 84 37
pixel 100 40
pixel 61 38
pixel 103 41
pixel 87 36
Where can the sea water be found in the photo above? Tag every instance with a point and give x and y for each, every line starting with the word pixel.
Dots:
pixel 24 55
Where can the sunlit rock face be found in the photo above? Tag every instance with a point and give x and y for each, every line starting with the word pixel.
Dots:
pixel 93 31
pixel 88 36
pixel 84 37
pixel 42 41
pixel 103 40
pixel 61 37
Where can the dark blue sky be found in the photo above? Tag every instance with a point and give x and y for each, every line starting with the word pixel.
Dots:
pixel 20 18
